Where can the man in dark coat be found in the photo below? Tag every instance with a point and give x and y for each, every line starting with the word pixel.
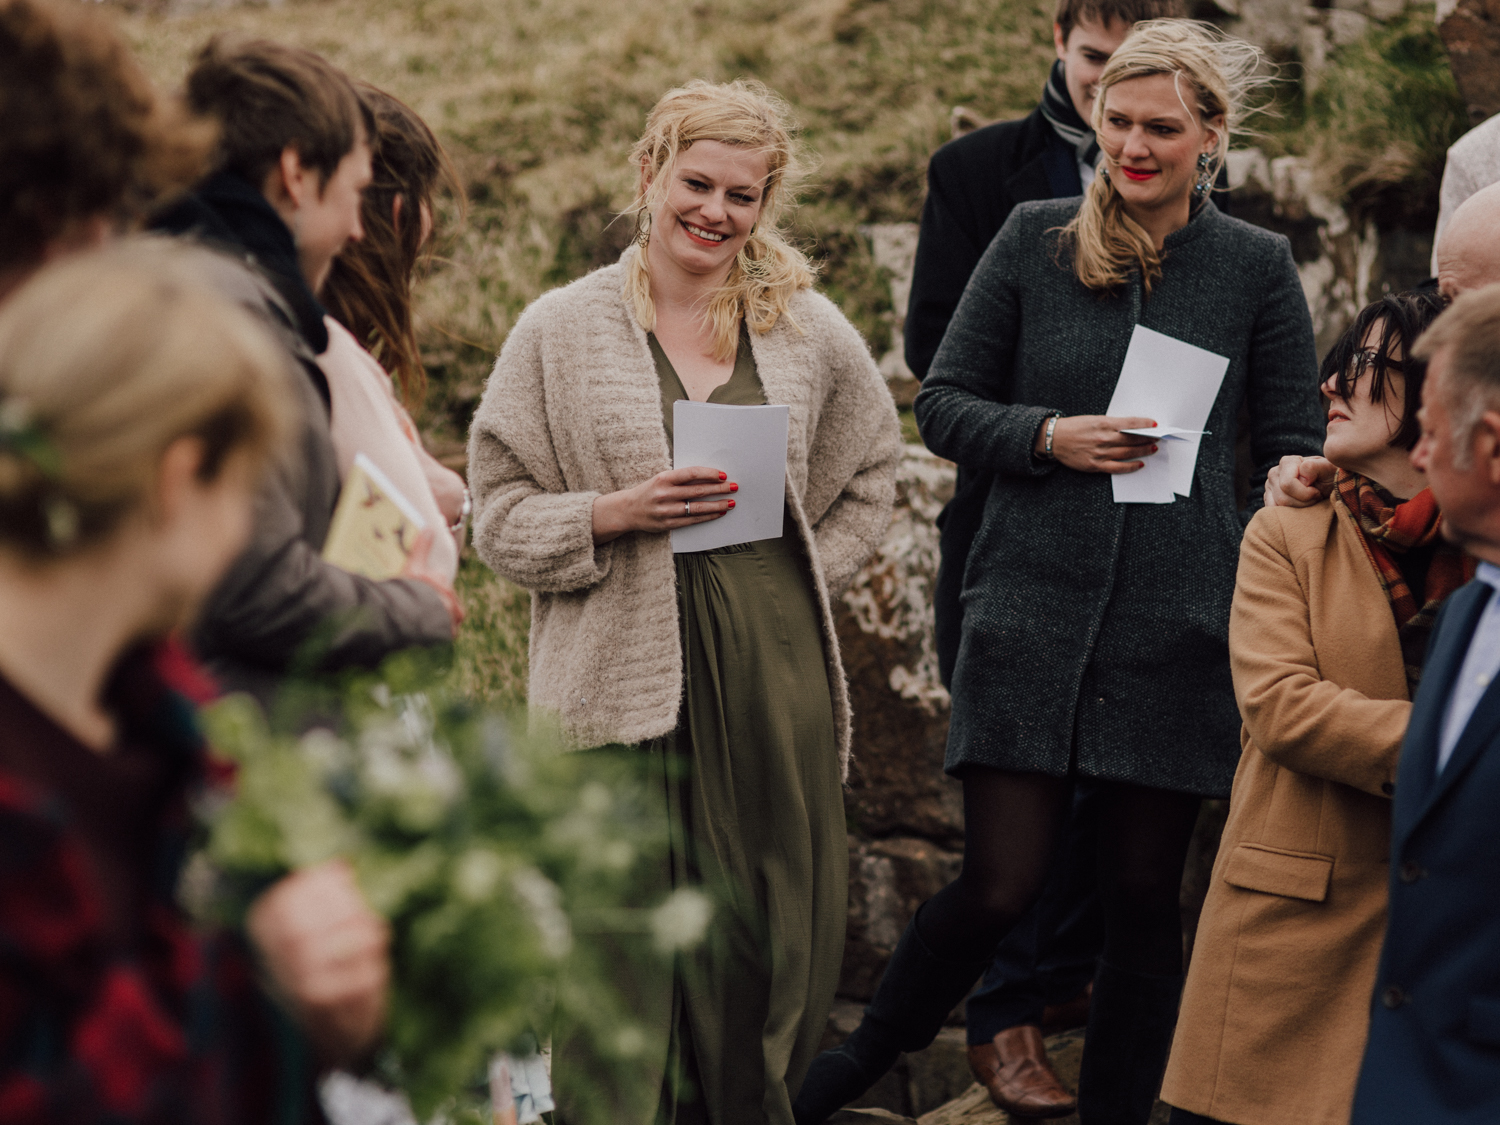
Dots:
pixel 294 155
pixel 972 185
pixel 1433 1054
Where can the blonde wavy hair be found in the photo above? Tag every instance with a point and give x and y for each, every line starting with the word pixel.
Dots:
pixel 1221 74
pixel 768 270
pixel 108 357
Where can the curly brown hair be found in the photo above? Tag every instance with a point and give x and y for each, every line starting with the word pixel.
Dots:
pixel 83 133
pixel 369 289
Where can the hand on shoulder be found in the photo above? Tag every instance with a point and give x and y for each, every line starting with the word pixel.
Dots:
pixel 1299 482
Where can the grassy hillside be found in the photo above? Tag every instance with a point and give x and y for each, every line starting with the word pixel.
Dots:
pixel 541 99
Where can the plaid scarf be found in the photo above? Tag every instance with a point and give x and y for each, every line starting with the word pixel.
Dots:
pixel 1058 109
pixel 1391 528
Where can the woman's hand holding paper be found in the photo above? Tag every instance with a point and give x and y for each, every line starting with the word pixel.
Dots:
pixel 669 500
pixel 1093 443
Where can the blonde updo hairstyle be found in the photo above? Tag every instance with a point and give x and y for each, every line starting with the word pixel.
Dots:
pixel 1215 75
pixel 106 359
pixel 769 269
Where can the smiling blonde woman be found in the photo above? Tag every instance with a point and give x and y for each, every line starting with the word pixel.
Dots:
pixel 721 667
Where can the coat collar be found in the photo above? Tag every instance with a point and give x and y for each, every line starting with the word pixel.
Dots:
pixel 1204 218
pixel 1420 786
pixel 228 211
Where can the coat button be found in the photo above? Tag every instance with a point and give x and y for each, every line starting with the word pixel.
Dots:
pixel 1393 996
pixel 1387 788
pixel 1411 871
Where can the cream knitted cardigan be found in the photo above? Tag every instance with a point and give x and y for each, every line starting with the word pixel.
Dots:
pixel 572 410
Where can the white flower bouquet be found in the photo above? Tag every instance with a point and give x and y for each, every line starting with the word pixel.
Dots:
pixel 489 852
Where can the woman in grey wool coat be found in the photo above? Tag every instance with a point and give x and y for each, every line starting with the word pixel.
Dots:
pixel 1095 634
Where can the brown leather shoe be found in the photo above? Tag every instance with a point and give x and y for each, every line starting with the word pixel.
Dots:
pixel 1016 1071
pixel 1069 1014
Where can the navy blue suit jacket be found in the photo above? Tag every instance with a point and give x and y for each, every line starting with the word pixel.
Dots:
pixel 1434 1050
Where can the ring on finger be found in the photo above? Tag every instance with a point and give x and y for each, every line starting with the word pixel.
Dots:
pixel 687 507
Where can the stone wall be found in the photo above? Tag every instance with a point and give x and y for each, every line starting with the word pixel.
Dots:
pixel 1471 34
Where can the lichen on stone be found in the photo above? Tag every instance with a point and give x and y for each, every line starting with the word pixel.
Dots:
pixel 891 597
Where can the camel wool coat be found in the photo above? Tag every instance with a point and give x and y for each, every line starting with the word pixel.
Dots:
pixel 1277 1003
pixel 573 410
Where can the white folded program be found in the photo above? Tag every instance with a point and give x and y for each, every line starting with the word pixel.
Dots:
pixel 1175 384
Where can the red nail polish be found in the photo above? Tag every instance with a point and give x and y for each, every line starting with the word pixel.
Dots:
pixel 1153 449
pixel 723 476
pixel 733 487
pixel 731 503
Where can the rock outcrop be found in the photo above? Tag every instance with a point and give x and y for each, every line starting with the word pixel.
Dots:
pixel 1471 34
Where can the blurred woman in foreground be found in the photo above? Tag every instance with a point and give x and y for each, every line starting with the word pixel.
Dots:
pixel 1327 635
pixel 137 413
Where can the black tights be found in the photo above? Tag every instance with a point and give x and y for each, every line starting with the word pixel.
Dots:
pixel 1012 825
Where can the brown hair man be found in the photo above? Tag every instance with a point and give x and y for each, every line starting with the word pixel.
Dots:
pixel 292 161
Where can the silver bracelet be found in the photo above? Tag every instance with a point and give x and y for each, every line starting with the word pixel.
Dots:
pixel 1050 428
pixel 463 513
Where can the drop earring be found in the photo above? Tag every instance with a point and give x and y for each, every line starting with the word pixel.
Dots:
pixel 1205 179
pixel 642 228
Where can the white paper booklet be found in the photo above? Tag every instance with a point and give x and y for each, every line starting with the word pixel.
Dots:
pixel 748 443
pixel 1174 384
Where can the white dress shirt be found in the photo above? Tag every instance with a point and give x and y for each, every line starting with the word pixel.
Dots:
pixel 1481 665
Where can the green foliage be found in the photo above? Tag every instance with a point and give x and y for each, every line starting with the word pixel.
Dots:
pixel 489 658
pixel 1382 117
pixel 491 853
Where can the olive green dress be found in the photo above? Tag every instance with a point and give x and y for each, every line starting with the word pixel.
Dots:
pixel 752 783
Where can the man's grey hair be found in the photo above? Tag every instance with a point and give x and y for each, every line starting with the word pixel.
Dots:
pixel 1469 333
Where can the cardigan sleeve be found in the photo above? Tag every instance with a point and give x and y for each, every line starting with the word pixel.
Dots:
pixel 527 527
pixel 1294 716
pixel 964 408
pixel 857 427
pixel 1286 411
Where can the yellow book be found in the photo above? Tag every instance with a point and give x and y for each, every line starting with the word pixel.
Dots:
pixel 374 526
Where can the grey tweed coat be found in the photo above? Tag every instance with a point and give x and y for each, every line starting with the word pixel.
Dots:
pixel 1094 633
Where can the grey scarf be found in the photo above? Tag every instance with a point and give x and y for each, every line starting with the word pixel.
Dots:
pixel 1057 108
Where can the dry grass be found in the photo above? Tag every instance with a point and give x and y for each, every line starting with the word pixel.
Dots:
pixel 540 100
pixel 490 660
pixel 1381 121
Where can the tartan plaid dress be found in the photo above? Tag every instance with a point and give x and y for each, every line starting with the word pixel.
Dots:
pixel 166 1025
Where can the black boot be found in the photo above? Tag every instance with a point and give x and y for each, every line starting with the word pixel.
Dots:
pixel 1131 1020
pixel 914 998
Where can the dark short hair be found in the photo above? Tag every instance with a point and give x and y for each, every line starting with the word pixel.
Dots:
pixel 1069 13
pixel 1400 319
pixel 268 97
pixel 83 133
